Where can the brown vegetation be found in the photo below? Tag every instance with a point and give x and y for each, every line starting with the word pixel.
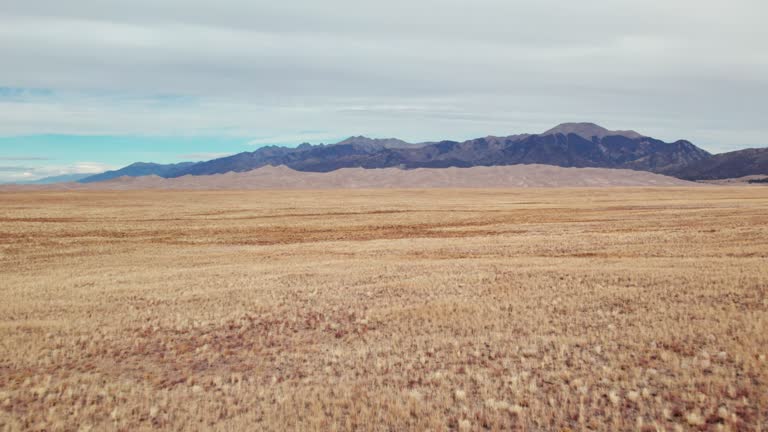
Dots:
pixel 535 309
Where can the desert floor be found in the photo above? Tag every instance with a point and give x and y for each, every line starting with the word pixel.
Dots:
pixel 528 309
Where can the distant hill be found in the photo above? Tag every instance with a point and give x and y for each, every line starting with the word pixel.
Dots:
pixel 567 145
pixel 589 130
pixel 64 178
pixel 138 169
pixel 740 163
pixel 379 143
pixel 579 145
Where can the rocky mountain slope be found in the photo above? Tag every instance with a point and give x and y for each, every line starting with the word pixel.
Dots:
pixel 578 145
pixel 568 145
pixel 735 164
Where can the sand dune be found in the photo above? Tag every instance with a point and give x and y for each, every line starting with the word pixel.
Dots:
pixel 282 177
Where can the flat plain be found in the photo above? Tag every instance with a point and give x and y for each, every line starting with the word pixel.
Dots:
pixel 520 309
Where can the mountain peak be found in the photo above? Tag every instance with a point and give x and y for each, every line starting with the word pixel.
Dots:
pixel 376 142
pixel 589 130
pixel 356 140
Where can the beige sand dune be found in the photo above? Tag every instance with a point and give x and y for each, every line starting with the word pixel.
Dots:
pixel 282 177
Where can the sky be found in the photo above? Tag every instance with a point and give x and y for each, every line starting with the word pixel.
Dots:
pixel 89 85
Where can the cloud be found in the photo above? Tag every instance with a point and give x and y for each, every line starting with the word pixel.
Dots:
pixel 426 70
pixel 87 167
pixel 18 173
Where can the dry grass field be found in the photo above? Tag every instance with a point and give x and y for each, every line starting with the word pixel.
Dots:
pixel 530 309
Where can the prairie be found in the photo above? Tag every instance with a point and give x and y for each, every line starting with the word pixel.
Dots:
pixel 516 309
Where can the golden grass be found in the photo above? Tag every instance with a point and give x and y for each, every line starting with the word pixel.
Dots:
pixel 551 309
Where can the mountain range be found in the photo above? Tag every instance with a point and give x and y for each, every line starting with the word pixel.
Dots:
pixel 578 145
pixel 139 169
pixel 733 164
pixel 64 178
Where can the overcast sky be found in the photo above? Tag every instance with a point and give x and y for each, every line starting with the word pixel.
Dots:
pixel 102 83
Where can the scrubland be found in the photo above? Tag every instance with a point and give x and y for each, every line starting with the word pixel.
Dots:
pixel 536 309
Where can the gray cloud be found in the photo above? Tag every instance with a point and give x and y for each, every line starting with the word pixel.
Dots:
pixel 419 70
pixel 14 169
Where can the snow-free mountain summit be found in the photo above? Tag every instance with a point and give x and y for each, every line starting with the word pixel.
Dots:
pixel 578 145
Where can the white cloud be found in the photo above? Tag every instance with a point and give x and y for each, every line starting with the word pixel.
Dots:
pixel 38 172
pixel 421 70
pixel 86 167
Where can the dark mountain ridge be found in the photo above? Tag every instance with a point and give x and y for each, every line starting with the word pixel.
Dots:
pixel 589 130
pixel 735 164
pixel 568 145
pixel 579 145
